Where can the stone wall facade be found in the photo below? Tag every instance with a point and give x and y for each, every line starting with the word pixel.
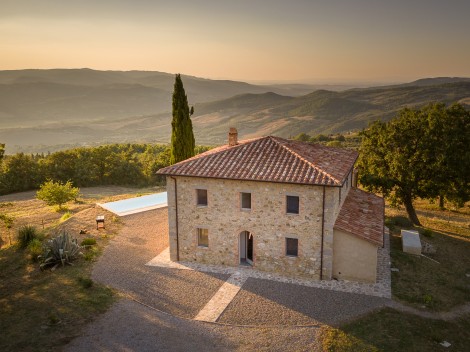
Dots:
pixel 267 221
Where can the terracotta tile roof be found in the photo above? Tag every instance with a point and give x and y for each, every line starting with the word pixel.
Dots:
pixel 271 159
pixel 362 215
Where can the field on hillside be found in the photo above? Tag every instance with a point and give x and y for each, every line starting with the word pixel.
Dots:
pixel 44 310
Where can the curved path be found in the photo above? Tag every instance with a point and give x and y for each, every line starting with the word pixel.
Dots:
pixel 264 314
pixel 454 313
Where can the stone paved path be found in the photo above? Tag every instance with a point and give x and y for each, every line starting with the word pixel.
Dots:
pixel 222 298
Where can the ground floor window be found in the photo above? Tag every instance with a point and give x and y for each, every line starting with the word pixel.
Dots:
pixel 292 247
pixel 202 237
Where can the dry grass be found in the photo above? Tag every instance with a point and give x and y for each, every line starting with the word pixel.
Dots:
pixel 44 310
pixel 27 210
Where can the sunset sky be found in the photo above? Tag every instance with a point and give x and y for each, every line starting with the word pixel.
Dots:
pixel 256 40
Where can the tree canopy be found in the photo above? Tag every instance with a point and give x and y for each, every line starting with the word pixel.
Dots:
pixel 182 137
pixel 112 164
pixel 57 193
pixel 2 151
pixel 420 153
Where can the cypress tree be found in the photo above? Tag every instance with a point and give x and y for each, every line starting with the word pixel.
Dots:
pixel 182 137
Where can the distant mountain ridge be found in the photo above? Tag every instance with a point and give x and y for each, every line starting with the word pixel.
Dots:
pixel 29 97
pixel 324 111
pixel 80 107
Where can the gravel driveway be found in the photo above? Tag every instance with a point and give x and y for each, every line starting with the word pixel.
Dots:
pixel 122 266
pixel 130 326
pixel 265 302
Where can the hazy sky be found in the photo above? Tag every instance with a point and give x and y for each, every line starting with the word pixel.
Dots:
pixel 253 40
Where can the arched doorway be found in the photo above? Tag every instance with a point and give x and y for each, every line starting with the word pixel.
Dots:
pixel 246 248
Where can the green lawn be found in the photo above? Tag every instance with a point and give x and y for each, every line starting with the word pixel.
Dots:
pixel 389 330
pixel 421 283
pixel 439 282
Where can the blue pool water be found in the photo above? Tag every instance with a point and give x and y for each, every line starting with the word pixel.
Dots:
pixel 137 205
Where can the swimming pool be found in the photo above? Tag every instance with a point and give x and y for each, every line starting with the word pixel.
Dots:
pixel 136 205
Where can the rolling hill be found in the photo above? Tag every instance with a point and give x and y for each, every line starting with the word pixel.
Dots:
pixel 321 111
pixel 30 97
pixel 43 110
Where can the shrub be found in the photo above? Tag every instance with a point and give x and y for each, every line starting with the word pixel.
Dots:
pixel 53 319
pixel 88 242
pixel 57 193
pixel 402 221
pixel 427 233
pixel 35 248
pixel 116 219
pixel 60 250
pixel 66 216
pixel 85 282
pixel 8 223
pixel 90 253
pixel 26 234
pixel 390 224
pixel 427 299
pixel 334 144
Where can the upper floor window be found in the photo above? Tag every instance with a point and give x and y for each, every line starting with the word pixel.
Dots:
pixel 246 200
pixel 201 195
pixel 292 204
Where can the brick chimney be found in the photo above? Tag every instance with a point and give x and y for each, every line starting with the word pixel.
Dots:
pixel 232 137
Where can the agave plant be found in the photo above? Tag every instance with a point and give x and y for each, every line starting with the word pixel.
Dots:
pixel 60 250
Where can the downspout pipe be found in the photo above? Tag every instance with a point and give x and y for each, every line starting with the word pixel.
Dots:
pixel 177 231
pixel 322 234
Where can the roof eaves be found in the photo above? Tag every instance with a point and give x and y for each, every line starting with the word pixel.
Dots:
pixel 253 180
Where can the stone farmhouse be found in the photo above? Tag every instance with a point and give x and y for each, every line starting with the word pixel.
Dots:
pixel 277 205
